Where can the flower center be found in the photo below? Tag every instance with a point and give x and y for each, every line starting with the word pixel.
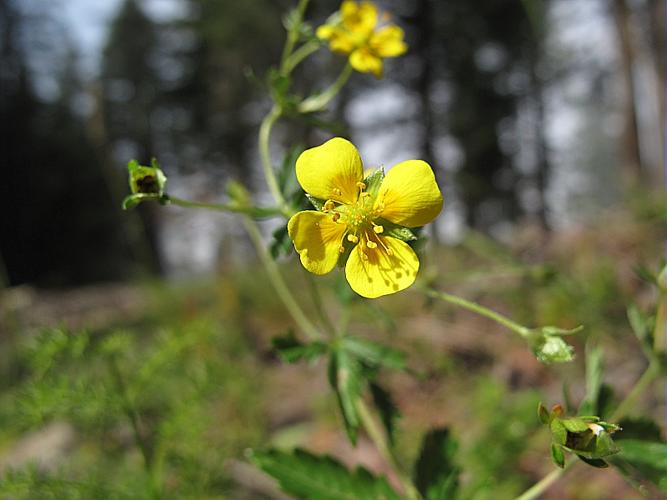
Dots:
pixel 359 219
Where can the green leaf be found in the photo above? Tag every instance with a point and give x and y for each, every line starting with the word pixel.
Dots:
pixel 345 377
pixel 281 243
pixel 642 325
pixel 373 354
pixel 594 373
pixel 310 477
pixel 557 455
pixel 436 475
pixel 291 350
pixel 387 409
pixel 645 459
pixel 641 428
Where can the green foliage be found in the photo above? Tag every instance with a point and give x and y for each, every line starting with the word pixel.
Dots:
pixel 309 477
pixel 291 350
pixel 436 475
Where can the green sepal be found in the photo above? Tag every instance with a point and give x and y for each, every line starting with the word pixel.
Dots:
pixel 543 414
pixel 574 424
pixel 146 180
pixel 132 200
pixel 558 432
pixel 316 202
pixel 396 231
pixel 594 462
pixel 557 455
pixel 291 350
pixel 373 181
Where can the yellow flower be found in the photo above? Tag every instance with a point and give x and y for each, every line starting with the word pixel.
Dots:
pixel 354 32
pixel 362 219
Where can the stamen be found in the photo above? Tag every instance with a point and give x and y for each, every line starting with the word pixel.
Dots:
pixel 336 216
pixel 341 249
pixel 328 206
pixel 337 191
pixel 361 186
pixel 352 238
pixel 378 229
pixel 371 244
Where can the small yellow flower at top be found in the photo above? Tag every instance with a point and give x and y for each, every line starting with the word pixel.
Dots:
pixel 358 220
pixel 354 31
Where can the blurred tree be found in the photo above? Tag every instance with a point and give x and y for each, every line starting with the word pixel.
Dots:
pixel 130 87
pixel 59 227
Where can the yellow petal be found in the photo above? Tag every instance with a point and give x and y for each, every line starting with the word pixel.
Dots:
pixel 324 32
pixel 331 171
pixel 364 61
pixel 388 42
pixel 317 240
pixel 359 18
pixel 409 194
pixel 382 274
pixel 341 42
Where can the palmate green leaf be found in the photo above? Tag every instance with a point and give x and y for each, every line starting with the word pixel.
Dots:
pixel 346 378
pixel 436 475
pixel 291 350
pixel 310 477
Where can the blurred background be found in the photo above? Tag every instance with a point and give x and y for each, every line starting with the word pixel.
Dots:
pixel 543 121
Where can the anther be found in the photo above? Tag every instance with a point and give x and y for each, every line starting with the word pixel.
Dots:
pixel 337 191
pixel 328 206
pixel 371 244
pixel 364 256
pixel 352 238
pixel 361 185
pixel 378 229
pixel 341 249
pixel 390 251
pixel 336 216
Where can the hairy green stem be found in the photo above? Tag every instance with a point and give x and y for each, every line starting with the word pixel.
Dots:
pixel 264 151
pixel 379 438
pixel 479 309
pixel 299 55
pixel 644 382
pixel 318 303
pixel 259 212
pixel 278 281
pixel 541 486
pixel 292 37
pixel 319 101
